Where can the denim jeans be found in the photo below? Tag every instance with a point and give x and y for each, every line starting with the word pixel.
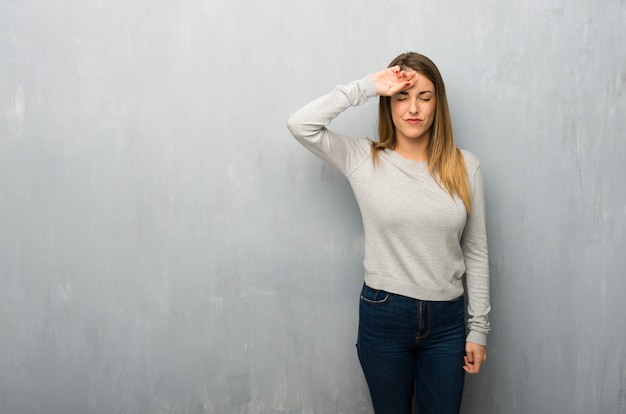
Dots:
pixel 411 352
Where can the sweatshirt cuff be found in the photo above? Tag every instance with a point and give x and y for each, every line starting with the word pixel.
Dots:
pixel 477 338
pixel 367 86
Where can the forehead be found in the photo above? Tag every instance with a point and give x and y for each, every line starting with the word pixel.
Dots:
pixel 422 85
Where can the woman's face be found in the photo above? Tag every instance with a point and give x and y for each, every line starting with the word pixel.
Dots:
pixel 413 110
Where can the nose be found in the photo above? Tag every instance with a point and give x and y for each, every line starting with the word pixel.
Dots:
pixel 414 108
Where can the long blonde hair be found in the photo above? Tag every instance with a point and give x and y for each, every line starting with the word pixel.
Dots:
pixel 445 161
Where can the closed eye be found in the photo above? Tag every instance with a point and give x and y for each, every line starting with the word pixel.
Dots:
pixel 425 96
pixel 401 96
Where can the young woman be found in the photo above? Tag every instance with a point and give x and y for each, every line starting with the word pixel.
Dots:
pixel 422 205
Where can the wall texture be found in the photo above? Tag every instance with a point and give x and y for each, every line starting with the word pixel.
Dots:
pixel 167 247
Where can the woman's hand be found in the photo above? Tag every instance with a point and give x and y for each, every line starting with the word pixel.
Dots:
pixel 393 80
pixel 475 356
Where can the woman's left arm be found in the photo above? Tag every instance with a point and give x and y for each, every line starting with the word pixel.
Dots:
pixel 475 253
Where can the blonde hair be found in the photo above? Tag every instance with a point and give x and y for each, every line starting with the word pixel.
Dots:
pixel 445 161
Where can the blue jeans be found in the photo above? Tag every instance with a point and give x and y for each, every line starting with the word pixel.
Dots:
pixel 411 351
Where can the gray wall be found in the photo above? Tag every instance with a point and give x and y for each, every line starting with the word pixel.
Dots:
pixel 167 247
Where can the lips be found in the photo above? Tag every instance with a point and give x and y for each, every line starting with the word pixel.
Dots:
pixel 413 121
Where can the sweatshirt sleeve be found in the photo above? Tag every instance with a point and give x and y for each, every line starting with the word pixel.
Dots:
pixel 309 125
pixel 475 252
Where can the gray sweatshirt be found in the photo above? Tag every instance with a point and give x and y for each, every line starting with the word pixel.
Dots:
pixel 419 241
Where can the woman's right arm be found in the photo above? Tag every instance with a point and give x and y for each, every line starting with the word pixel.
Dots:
pixel 308 124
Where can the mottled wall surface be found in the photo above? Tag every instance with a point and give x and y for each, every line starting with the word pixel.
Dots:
pixel 167 247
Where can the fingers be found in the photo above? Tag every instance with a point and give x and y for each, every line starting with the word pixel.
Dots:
pixel 405 78
pixel 393 80
pixel 398 71
pixel 471 367
pixel 475 356
pixel 403 74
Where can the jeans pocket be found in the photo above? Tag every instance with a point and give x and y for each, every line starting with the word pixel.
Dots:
pixel 373 296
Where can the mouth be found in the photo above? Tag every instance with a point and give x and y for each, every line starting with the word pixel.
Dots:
pixel 413 121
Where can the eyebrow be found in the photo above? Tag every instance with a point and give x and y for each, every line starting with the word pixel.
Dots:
pixel 406 92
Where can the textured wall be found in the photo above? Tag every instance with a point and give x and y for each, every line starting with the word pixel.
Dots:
pixel 167 247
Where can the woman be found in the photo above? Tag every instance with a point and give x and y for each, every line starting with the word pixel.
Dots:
pixel 422 205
